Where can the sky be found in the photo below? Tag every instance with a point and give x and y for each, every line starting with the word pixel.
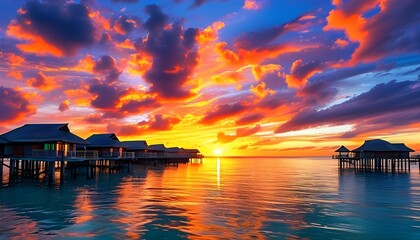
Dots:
pixel 229 77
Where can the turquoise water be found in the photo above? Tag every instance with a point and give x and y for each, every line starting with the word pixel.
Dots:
pixel 226 198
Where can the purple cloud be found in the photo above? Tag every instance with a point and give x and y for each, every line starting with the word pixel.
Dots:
pixel 382 99
pixel 174 55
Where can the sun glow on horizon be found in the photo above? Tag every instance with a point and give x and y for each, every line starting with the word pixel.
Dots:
pixel 217 151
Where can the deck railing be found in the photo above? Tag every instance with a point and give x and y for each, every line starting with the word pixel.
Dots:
pixel 127 155
pixel 47 153
pixel 81 154
pixel 86 155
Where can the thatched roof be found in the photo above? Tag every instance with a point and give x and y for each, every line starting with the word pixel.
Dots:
pixel 379 145
pixel 43 133
pixel 136 145
pixel 104 140
pixel 342 149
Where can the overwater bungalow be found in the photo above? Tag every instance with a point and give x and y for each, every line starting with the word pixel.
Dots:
pixel 377 154
pixel 108 146
pixel 41 141
pixel 140 148
pixel 158 149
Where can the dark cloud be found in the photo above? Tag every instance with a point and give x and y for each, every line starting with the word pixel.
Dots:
pixel 384 98
pixel 125 129
pixel 174 55
pixel 67 26
pixel 105 96
pixel 240 132
pixel 105 39
pixel 253 40
pixel 157 19
pixel 160 122
pixel 64 106
pixel 94 118
pixel 221 112
pixel 252 118
pixel 318 93
pixel 107 65
pixel 393 30
pixel 136 106
pixel 124 25
pixel 273 101
pixel 14 105
pixel 300 72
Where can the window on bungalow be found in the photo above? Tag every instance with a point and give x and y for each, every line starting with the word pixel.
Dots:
pixel 49 146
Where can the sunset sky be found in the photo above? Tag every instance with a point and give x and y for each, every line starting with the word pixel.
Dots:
pixel 239 77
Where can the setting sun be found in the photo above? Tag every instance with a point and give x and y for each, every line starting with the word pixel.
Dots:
pixel 217 151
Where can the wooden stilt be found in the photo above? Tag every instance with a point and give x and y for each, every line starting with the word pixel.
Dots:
pixel 1 171
pixel 51 172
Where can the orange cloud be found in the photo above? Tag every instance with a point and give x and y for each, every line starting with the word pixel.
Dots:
pixel 100 21
pixel 260 70
pixel 252 4
pixel 16 74
pixel 14 59
pixel 300 73
pixel 64 106
pixel 256 56
pixel 227 77
pixel 34 43
pixel 126 44
pixel 42 82
pixel 139 64
pixel 260 90
pixel 210 33
pixel 79 97
pixel 240 132
pixel 85 64
pixel 340 43
pixel 15 105
pixel 228 55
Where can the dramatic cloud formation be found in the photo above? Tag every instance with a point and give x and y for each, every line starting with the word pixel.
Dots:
pixel 240 132
pixel 249 119
pixel 42 82
pixel 124 25
pixel 107 65
pixel 174 55
pixel 300 72
pixel 105 96
pixel 15 105
pixel 382 99
pixel 157 122
pixel 52 28
pixel 390 31
pixel 222 112
pixel 254 40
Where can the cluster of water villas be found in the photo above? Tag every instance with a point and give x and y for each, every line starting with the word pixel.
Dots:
pixel 377 155
pixel 44 149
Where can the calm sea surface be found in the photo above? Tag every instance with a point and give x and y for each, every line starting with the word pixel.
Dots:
pixel 226 198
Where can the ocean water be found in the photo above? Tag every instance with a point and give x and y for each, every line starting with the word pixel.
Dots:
pixel 220 198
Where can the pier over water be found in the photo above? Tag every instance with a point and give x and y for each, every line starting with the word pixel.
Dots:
pixel 378 155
